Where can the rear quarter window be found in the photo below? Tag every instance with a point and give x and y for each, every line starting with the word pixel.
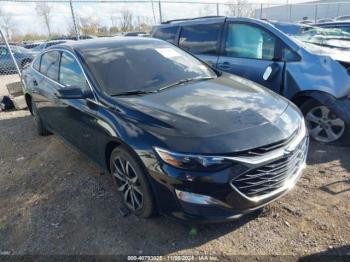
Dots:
pixel 166 33
pixel 50 64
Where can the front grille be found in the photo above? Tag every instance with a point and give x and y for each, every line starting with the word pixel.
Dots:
pixel 271 177
pixel 265 149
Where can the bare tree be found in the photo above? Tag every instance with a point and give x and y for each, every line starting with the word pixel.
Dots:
pixel 143 23
pixel 6 22
pixel 241 8
pixel 44 10
pixel 89 26
pixel 126 20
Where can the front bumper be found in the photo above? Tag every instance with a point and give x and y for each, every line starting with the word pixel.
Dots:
pixel 201 197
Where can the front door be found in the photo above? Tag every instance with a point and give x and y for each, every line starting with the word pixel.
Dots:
pixel 250 51
pixel 78 122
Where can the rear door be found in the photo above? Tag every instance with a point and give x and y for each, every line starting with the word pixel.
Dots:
pixel 44 91
pixel 248 50
pixel 202 40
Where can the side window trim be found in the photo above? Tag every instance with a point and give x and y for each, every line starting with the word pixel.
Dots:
pixel 80 66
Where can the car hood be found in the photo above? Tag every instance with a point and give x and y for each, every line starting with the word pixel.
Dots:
pixel 216 109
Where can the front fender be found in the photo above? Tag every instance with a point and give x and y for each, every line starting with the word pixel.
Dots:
pixel 340 106
pixel 318 73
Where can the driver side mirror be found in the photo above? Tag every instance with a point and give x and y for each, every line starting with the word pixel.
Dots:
pixel 271 71
pixel 72 92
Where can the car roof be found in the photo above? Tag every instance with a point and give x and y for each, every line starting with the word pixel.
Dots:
pixel 334 23
pixel 209 19
pixel 109 42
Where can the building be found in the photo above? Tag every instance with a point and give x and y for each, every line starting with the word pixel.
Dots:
pixel 309 10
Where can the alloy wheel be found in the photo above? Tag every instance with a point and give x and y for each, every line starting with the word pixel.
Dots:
pixel 128 183
pixel 324 125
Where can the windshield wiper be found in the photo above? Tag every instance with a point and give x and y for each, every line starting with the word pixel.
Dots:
pixel 183 81
pixel 134 92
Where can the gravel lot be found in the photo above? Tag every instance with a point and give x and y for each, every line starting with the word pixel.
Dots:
pixel 55 201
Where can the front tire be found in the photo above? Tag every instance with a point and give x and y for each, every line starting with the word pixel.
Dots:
pixel 131 181
pixel 323 124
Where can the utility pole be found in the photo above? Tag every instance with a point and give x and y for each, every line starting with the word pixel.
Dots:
pixel 160 12
pixel 74 20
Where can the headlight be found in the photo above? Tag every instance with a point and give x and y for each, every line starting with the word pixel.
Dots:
pixel 193 162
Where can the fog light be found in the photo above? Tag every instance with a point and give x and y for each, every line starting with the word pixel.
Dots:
pixel 198 199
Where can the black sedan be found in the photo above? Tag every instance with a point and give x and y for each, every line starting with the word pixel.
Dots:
pixel 177 136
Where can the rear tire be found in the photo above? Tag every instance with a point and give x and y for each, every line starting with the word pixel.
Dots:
pixel 131 181
pixel 40 126
pixel 324 125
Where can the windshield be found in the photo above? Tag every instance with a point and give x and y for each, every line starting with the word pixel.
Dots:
pixel 129 66
pixel 314 34
pixel 324 37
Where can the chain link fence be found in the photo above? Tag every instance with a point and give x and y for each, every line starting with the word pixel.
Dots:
pixel 34 20
pixel 29 24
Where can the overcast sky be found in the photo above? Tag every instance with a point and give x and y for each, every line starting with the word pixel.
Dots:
pixel 24 18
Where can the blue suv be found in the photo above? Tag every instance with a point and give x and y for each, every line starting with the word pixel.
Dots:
pixel 315 78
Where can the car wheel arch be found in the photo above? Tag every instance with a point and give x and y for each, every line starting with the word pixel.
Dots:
pixel 300 98
pixel 28 99
pixel 111 145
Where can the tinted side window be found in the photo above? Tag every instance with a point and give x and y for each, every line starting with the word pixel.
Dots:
pixel 168 34
pixel 200 39
pixel 49 64
pixel 289 55
pixel 246 41
pixel 70 72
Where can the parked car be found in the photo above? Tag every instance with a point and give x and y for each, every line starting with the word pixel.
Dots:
pixel 306 22
pixel 177 136
pixel 344 26
pixel 23 57
pixel 31 45
pixel 136 33
pixel 47 44
pixel 327 37
pixel 343 18
pixel 325 20
pixel 315 78
pixel 74 38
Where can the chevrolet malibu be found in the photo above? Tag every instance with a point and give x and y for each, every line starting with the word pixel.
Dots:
pixel 177 136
